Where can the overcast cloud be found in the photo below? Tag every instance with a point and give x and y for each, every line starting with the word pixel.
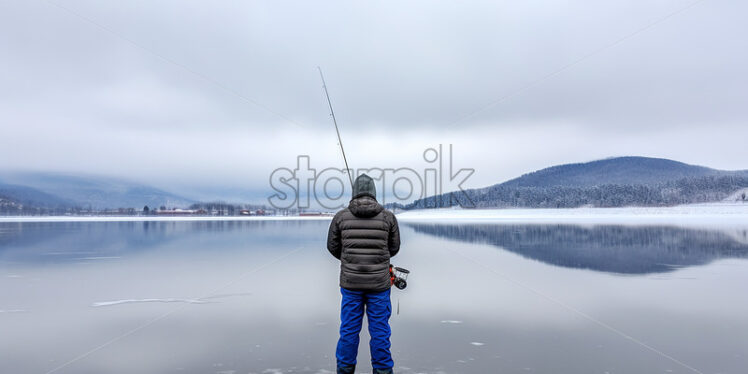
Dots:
pixel 218 94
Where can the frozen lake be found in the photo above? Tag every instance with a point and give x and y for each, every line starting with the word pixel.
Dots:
pixel 625 295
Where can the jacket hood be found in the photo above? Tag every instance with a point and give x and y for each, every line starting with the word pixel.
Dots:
pixel 364 186
pixel 365 207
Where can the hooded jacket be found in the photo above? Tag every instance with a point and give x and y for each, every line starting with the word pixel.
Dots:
pixel 363 237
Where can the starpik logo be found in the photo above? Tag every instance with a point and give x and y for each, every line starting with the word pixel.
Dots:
pixel 306 187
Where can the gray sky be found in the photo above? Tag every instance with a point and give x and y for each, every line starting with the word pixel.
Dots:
pixel 166 92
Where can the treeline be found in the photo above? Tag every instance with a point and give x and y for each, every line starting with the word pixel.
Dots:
pixel 682 191
pixel 13 208
pixel 9 207
pixel 228 209
pixel 23 210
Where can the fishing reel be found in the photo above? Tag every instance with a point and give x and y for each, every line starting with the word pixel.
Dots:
pixel 399 277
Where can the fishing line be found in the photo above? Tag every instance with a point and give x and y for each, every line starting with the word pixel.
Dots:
pixel 335 122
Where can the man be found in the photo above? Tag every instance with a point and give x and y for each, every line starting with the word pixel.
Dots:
pixel 363 237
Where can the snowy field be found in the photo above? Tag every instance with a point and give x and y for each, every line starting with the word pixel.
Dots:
pixel 698 214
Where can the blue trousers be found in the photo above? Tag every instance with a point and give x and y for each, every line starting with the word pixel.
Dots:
pixel 378 311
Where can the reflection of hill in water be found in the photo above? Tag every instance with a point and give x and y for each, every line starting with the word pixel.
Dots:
pixel 615 249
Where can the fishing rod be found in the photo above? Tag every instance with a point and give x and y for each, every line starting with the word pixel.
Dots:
pixel 335 122
pixel 398 275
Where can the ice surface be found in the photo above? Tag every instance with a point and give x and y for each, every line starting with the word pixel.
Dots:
pixel 201 300
pixel 230 332
pixel 130 301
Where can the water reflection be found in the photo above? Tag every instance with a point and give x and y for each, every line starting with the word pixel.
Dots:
pixel 609 248
pixel 272 301
pixel 58 242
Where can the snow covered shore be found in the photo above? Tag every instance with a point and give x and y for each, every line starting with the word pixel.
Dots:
pixel 153 218
pixel 718 214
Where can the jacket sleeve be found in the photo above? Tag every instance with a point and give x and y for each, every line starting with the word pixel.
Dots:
pixel 334 244
pixel 394 238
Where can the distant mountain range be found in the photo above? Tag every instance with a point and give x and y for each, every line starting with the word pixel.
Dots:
pixel 618 170
pixel 620 181
pixel 61 191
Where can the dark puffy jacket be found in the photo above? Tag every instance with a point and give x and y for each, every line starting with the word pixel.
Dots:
pixel 364 236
